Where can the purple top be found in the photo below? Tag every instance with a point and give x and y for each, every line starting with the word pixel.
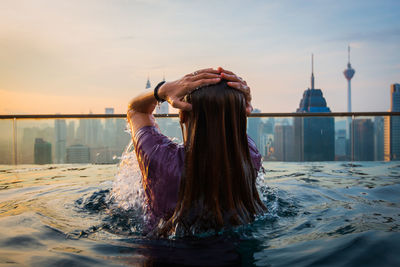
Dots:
pixel 161 162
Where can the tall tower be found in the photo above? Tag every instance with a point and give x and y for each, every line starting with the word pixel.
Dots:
pixel 148 85
pixel 349 73
pixel 312 71
pixel 313 136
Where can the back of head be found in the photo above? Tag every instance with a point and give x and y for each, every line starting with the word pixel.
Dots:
pixel 218 183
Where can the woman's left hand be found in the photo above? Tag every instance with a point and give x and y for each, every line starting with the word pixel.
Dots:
pixel 238 83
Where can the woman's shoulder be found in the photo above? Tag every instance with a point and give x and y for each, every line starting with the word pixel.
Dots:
pixel 254 153
pixel 157 149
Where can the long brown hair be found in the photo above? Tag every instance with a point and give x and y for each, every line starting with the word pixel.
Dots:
pixel 218 183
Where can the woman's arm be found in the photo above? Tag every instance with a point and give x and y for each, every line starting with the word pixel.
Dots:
pixel 141 107
pixel 140 111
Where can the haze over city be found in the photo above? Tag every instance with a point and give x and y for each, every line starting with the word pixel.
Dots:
pixel 81 56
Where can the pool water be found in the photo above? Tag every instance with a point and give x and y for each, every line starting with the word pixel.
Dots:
pixel 320 214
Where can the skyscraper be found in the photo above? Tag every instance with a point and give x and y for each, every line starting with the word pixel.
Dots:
pixel 109 130
pixel 70 133
pixel 379 123
pixel 392 126
pixel 363 140
pixel 283 142
pixel 314 136
pixel 148 84
pixel 61 140
pixel 42 151
pixel 78 154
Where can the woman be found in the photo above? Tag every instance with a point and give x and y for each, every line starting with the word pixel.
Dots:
pixel 209 182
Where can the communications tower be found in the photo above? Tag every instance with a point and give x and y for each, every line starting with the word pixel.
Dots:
pixel 349 73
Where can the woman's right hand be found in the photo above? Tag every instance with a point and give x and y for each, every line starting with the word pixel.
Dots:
pixel 238 83
pixel 175 91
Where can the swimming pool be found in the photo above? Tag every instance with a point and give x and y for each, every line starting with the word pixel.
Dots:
pixel 320 214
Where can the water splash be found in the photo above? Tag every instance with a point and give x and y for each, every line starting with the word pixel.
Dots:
pixel 127 190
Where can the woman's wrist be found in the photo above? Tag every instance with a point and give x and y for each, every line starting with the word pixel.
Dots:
pixel 161 91
pixel 156 93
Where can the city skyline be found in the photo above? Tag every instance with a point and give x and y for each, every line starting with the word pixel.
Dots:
pixel 70 57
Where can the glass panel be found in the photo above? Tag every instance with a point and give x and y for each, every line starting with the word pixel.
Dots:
pixel 99 141
pixel 171 128
pixel 102 141
pixel 343 151
pixel 391 138
pixel 367 135
pixel 6 142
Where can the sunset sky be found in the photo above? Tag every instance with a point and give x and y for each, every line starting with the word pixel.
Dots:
pixel 80 56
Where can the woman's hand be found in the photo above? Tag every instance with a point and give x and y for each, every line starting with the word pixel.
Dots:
pixel 175 91
pixel 237 83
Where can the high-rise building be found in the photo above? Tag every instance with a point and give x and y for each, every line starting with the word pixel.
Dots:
pixel 379 138
pixel 392 126
pixel 340 145
pixel 314 136
pixel 78 154
pixel 25 151
pixel 148 84
pixel 109 110
pixel 284 142
pixel 90 132
pixel 70 133
pixel 363 140
pixel 109 130
pixel 60 127
pixel 42 151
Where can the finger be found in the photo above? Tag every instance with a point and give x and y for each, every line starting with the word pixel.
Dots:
pixel 231 77
pixel 242 88
pixel 205 82
pixel 205 76
pixel 179 104
pixel 208 70
pixel 220 69
pixel 249 108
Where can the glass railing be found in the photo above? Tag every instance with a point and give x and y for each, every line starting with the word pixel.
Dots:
pixel 101 138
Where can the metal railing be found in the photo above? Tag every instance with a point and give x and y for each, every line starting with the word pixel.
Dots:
pixel 267 115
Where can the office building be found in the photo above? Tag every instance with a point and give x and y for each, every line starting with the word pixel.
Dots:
pixel 60 127
pixel 284 143
pixel 78 154
pixel 42 151
pixel 379 126
pixel 392 126
pixel 340 145
pixel 363 140
pixel 314 136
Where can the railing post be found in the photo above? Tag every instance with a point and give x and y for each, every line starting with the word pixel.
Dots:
pixel 15 156
pixel 352 137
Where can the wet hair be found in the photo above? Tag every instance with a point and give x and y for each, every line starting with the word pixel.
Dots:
pixel 218 183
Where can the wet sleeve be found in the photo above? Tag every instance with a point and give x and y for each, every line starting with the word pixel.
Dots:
pixel 254 154
pixel 157 155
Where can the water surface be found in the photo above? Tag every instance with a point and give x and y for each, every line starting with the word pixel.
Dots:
pixel 320 214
